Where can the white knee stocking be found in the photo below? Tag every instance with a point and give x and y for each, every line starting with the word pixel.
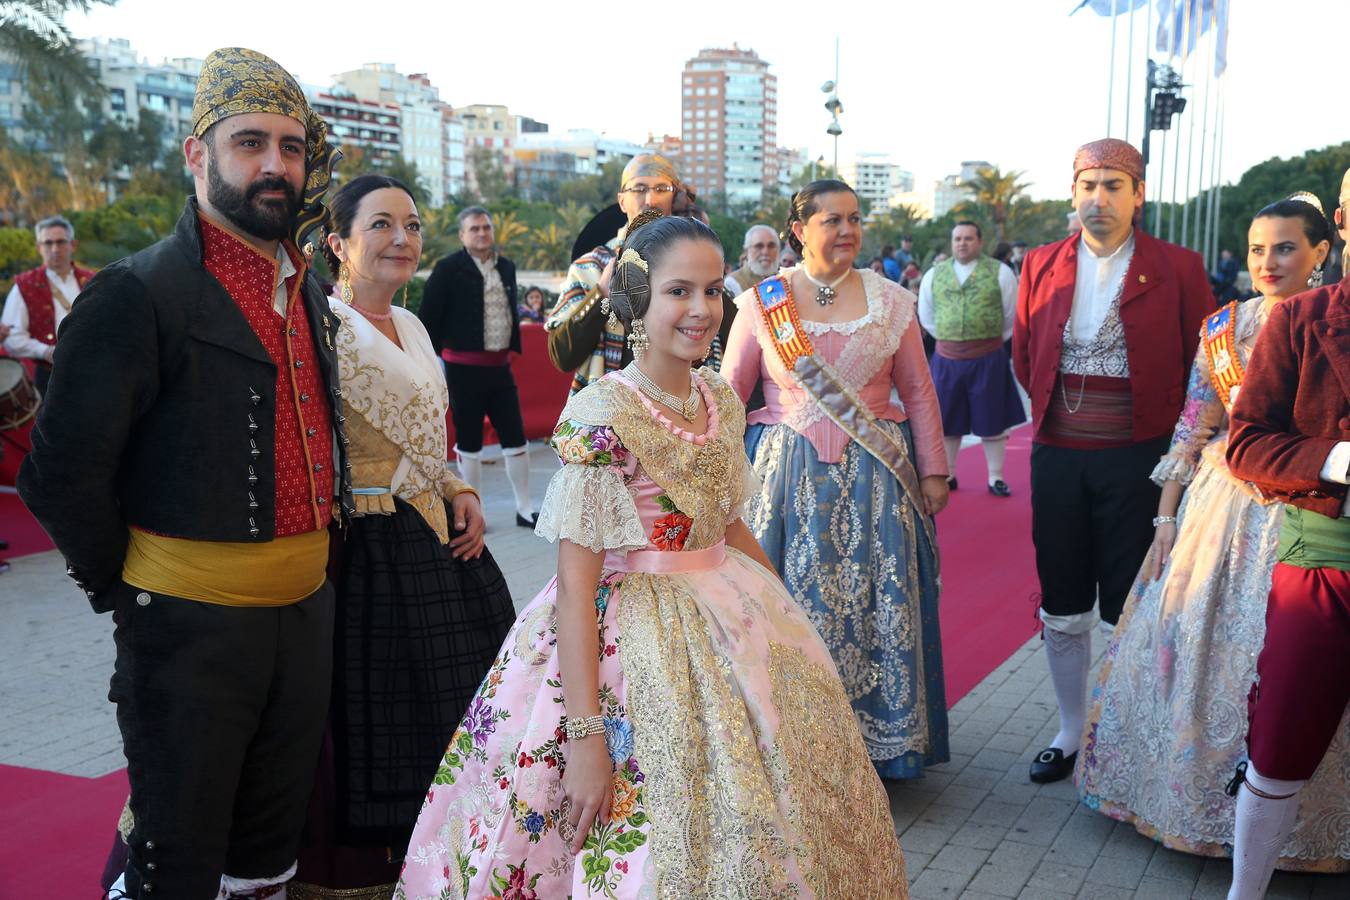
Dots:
pixel 470 467
pixel 518 473
pixel 1069 657
pixel 1262 828
pixel 994 450
pixel 952 445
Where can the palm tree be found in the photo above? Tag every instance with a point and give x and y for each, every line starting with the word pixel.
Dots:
pixel 509 232
pixel 995 191
pixel 549 247
pixel 34 37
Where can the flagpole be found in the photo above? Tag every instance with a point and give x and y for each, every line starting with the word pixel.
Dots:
pixel 1111 70
pixel 1148 95
pixel 1222 115
pixel 1158 200
pixel 1129 73
pixel 1204 140
pixel 1176 155
pixel 1191 56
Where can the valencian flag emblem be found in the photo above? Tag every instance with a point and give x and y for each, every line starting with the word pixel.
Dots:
pixel 785 326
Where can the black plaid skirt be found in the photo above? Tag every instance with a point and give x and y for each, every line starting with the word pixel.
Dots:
pixel 416 633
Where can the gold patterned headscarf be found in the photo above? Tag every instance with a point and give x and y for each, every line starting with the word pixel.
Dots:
pixel 235 81
pixel 649 165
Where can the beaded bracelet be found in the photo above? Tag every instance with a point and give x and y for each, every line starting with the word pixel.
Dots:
pixel 578 728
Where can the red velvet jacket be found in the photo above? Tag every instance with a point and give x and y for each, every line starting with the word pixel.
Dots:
pixel 1165 300
pixel 1294 405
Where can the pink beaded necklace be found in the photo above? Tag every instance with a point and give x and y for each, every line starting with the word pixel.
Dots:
pixel 373 316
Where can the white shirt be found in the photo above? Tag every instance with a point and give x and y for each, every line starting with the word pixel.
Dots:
pixel 1098 282
pixel 286 270
pixel 20 343
pixel 1335 470
pixel 1007 283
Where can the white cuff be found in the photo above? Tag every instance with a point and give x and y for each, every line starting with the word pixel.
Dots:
pixel 1338 461
pixel 1077 623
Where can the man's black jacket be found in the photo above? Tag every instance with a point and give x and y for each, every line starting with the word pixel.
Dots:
pixel 452 303
pixel 160 392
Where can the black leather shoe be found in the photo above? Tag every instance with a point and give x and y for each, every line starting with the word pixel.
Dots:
pixel 1000 489
pixel 951 484
pixel 527 523
pixel 1052 765
pixel 4 545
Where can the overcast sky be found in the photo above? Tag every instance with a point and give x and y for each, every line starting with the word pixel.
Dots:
pixel 1020 84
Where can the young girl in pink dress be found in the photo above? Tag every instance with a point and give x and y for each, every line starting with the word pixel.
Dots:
pixel 662 721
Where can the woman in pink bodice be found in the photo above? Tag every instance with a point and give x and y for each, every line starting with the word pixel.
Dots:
pixel 846 516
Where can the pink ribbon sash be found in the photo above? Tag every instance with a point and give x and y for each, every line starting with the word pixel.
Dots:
pixel 667 562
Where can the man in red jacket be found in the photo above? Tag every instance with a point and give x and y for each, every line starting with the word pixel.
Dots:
pixel 1291 438
pixel 1108 321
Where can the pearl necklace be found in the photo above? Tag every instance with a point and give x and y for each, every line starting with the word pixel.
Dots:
pixel 825 293
pixel 688 409
pixel 373 316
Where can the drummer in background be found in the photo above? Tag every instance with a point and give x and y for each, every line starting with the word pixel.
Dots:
pixel 41 297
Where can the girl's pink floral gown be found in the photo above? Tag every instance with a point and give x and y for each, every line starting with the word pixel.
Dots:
pixel 739 770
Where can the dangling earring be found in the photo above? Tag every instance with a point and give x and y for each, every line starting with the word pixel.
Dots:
pixel 345 284
pixel 638 341
pixel 1315 279
pixel 405 296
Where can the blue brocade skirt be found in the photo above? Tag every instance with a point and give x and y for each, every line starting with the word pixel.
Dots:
pixel 856 556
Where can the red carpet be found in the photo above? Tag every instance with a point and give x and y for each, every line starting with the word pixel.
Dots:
pixel 55 830
pixel 988 568
pixel 19 527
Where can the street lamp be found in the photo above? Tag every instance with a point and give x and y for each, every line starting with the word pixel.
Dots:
pixel 835 107
pixel 1163 101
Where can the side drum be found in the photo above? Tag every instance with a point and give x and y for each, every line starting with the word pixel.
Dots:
pixel 18 397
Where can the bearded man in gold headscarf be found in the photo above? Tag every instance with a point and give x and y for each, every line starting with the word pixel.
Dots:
pixel 582 339
pixel 187 462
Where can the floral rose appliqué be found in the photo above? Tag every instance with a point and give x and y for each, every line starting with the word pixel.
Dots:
pixel 671 531
pixel 625 799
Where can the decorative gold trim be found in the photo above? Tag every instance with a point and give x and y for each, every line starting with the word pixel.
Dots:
pixel 299 890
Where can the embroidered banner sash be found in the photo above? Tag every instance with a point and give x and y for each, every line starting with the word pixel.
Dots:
pixel 1225 363
pixel 822 383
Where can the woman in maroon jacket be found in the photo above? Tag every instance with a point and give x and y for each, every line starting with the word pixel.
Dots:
pixel 1291 438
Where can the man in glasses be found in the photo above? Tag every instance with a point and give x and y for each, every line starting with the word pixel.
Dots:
pixel 41 297
pixel 579 338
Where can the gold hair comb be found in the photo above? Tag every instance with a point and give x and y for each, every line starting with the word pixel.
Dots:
pixel 1308 198
pixel 632 256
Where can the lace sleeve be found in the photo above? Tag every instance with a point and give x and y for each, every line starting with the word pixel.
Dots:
pixel 590 506
pixel 743 489
pixel 587 500
pixel 1202 416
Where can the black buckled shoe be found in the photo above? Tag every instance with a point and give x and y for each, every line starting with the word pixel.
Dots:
pixel 951 484
pixel 1051 765
pixel 1000 488
pixel 527 523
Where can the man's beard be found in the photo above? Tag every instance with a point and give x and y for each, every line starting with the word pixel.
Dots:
pixel 763 270
pixel 268 221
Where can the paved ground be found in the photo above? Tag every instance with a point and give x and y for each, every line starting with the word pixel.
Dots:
pixel 974 828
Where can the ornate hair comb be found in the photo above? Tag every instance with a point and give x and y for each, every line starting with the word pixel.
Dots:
pixel 1308 198
pixel 632 256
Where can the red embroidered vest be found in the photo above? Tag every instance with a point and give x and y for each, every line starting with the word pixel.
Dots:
pixel 36 290
pixel 304 428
